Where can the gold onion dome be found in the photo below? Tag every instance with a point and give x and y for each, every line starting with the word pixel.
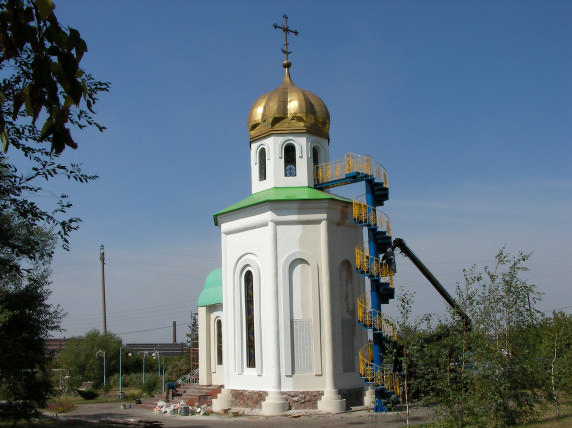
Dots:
pixel 288 109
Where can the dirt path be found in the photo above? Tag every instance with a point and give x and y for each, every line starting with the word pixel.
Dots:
pixel 358 417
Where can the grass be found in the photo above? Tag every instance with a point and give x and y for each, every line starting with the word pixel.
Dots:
pixel 548 420
pixel 66 402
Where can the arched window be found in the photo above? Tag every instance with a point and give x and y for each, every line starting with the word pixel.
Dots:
pixel 315 159
pixel 289 160
pixel 218 342
pixel 262 165
pixel 249 319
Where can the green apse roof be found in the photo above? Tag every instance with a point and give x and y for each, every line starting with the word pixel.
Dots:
pixel 212 291
pixel 280 194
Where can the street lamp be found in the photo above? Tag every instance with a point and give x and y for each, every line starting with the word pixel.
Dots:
pixel 160 357
pixel 120 389
pixel 99 354
pixel 120 383
pixel 143 377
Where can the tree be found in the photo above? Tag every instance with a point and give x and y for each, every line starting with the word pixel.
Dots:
pixel 39 62
pixel 410 350
pixel 41 80
pixel 555 337
pixel 79 357
pixel 47 79
pixel 490 375
pixel 26 319
pixel 193 334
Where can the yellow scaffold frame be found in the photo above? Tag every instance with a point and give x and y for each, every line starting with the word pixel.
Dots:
pixel 374 374
pixel 364 213
pixel 375 319
pixel 336 170
pixel 369 265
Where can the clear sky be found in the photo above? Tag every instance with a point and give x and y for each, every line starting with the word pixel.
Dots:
pixel 467 104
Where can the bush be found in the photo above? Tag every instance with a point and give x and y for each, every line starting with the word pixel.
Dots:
pixel 152 385
pixel 87 394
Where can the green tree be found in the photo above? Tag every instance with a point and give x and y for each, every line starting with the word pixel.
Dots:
pixel 410 350
pixel 490 375
pixel 80 360
pixel 193 333
pixel 41 78
pixel 26 318
pixel 44 76
pixel 555 337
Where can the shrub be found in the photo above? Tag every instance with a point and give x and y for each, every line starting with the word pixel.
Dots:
pixel 152 385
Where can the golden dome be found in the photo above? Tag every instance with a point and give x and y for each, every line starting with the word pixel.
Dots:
pixel 288 109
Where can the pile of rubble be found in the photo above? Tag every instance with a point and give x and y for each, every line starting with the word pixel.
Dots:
pixel 181 408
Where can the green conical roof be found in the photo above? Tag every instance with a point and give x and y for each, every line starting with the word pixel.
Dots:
pixel 212 291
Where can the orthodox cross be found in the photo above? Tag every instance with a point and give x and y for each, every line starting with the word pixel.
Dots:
pixel 286 30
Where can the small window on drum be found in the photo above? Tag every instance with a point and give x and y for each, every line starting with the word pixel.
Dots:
pixel 289 160
pixel 315 160
pixel 262 165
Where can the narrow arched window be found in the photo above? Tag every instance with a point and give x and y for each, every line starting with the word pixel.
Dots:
pixel 249 318
pixel 315 159
pixel 262 165
pixel 219 342
pixel 290 160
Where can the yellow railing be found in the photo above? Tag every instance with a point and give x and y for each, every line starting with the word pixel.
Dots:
pixel 375 319
pixel 364 213
pixel 337 170
pixel 373 266
pixel 374 374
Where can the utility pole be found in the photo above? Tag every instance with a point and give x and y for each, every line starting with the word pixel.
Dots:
pixel 102 259
pixel 174 331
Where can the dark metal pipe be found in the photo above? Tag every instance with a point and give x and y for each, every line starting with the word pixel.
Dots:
pixel 400 244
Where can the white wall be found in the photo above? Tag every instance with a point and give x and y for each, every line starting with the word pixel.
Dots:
pixel 274 146
pixel 209 372
pixel 282 243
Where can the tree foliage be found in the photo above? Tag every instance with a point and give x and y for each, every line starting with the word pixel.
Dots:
pixel 41 79
pixel 40 82
pixel 79 358
pixel 193 333
pixel 26 319
pixel 46 77
pixel 492 374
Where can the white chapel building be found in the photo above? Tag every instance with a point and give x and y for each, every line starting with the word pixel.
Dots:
pixel 277 323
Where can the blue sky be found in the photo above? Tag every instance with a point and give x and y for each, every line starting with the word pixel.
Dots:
pixel 467 104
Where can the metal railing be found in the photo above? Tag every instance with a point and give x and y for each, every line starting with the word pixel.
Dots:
pixel 351 163
pixel 375 319
pixel 191 377
pixel 374 374
pixel 373 266
pixel 365 214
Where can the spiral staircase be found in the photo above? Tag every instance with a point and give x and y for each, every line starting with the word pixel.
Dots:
pixel 373 260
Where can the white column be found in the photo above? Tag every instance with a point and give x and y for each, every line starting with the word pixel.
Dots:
pixel 224 398
pixel 205 376
pixel 331 401
pixel 274 403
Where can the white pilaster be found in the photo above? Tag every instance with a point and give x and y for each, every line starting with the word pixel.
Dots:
pixel 331 401
pixel 274 403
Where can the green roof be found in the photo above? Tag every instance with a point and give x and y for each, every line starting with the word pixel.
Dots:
pixel 212 291
pixel 280 194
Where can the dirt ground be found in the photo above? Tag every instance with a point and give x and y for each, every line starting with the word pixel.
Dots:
pixel 358 417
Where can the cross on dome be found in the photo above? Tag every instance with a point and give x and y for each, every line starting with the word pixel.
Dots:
pixel 286 30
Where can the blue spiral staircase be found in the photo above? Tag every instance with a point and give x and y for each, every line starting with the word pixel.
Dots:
pixel 373 260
